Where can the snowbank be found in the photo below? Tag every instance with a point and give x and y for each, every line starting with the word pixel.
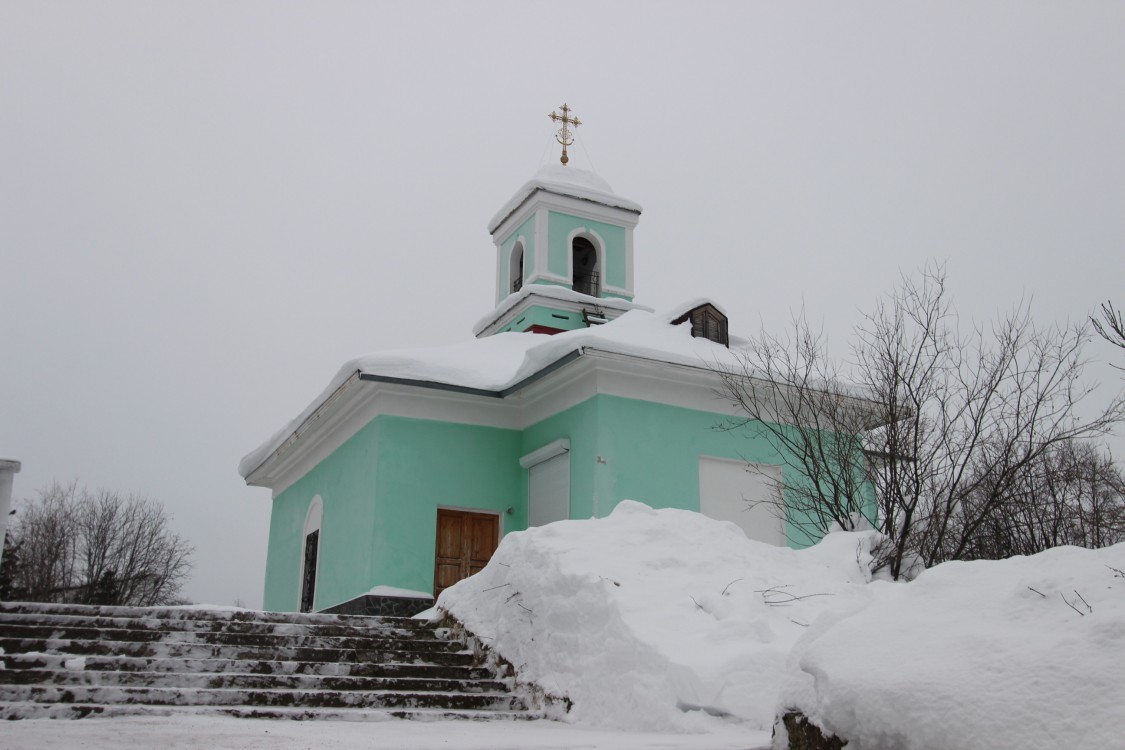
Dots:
pixel 1027 652
pixel 648 618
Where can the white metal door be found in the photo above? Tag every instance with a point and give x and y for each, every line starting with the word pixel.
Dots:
pixel 549 490
pixel 742 494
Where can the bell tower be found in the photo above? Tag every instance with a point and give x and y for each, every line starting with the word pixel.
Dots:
pixel 564 249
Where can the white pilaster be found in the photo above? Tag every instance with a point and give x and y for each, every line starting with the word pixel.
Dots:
pixel 8 468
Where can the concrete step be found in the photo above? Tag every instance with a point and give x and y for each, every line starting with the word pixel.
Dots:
pixel 10 631
pixel 373 627
pixel 186 696
pixel 25 710
pixel 107 678
pixel 193 613
pixel 253 653
pixel 41 661
pixel 70 661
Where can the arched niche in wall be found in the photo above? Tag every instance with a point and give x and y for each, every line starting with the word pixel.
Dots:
pixel 310 552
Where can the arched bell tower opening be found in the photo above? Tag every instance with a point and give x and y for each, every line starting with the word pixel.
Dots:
pixel 515 269
pixel 585 266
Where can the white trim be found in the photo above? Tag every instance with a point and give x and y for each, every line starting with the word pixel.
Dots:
pixel 541 241
pixel 628 261
pixel 546 453
pixel 582 209
pixel 537 185
pixel 499 271
pixel 314 521
pixel 597 372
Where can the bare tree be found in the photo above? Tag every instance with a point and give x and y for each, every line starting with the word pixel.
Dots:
pixel 46 542
pixel 1074 494
pixel 98 547
pixel 1110 326
pixel 941 431
pixel 793 396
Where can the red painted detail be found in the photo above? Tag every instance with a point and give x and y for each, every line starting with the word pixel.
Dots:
pixel 543 329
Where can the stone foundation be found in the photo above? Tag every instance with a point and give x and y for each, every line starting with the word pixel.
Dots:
pixel 369 605
pixel 806 736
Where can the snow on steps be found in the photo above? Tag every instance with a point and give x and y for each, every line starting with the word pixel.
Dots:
pixel 70 661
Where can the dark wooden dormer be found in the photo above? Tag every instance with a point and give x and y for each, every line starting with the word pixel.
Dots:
pixel 706 323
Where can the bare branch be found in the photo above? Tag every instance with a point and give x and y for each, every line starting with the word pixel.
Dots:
pixel 1076 609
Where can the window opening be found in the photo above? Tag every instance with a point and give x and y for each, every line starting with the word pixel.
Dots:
pixel 515 271
pixel 707 323
pixel 308 582
pixel 584 265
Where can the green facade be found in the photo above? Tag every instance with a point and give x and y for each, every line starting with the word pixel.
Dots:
pixel 560 227
pixel 545 316
pixel 381 489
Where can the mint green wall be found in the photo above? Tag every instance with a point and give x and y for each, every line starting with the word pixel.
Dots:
pixel 545 316
pixel 525 230
pixel 559 227
pixel 579 424
pixel 381 489
pixel 345 481
pixel 625 448
pixel 380 506
pixel 424 464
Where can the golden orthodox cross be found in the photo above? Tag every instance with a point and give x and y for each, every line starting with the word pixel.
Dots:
pixel 564 135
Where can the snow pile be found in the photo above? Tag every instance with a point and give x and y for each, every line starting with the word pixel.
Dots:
pixel 645 616
pixel 1027 652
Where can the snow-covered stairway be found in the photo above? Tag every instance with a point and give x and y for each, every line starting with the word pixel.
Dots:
pixel 70 661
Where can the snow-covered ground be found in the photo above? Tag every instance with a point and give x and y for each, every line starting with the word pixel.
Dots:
pixel 671 630
pixel 659 619
pixel 224 733
pixel 1027 652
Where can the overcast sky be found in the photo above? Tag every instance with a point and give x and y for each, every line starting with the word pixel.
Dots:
pixel 207 207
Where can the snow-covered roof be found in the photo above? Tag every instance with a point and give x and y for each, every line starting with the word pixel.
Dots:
pixel 496 363
pixel 576 183
pixel 553 292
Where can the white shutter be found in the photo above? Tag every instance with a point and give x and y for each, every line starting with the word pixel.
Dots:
pixel 742 494
pixel 549 490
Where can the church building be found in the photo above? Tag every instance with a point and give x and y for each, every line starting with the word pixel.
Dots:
pixel 403 475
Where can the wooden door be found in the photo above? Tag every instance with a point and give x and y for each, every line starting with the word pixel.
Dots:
pixel 465 543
